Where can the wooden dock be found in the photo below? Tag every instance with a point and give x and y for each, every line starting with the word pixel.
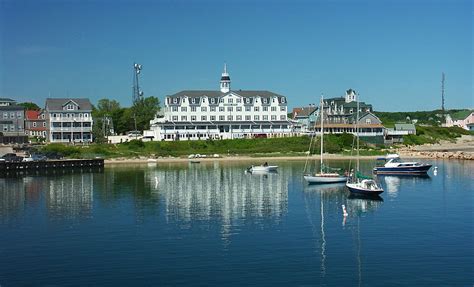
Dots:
pixel 6 167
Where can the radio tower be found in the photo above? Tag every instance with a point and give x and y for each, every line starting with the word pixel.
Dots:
pixel 137 94
pixel 442 92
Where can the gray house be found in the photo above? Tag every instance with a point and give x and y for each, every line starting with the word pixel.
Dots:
pixel 69 120
pixel 12 124
pixel 410 128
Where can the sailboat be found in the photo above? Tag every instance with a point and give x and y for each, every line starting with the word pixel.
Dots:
pixel 357 182
pixel 322 176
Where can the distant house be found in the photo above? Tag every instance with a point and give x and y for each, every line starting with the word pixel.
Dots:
pixel 409 128
pixel 35 123
pixel 68 120
pixel 461 119
pixel 305 117
pixel 12 120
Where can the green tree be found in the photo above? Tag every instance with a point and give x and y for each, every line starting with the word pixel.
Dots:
pixel 30 106
pixel 144 111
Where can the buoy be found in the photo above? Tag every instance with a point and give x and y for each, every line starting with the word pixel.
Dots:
pixel 344 211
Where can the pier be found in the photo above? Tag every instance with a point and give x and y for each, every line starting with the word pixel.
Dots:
pixel 6 167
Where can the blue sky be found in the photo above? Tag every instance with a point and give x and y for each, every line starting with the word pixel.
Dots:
pixel 391 52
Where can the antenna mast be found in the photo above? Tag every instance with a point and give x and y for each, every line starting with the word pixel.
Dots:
pixel 137 94
pixel 442 92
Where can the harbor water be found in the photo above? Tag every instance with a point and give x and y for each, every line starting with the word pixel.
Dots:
pixel 212 224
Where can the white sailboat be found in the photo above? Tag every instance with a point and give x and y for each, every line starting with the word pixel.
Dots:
pixel 322 176
pixel 358 183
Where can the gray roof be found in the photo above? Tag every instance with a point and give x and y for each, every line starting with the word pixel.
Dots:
pixel 57 104
pixel 12 108
pixel 197 94
pixel 6 100
pixel 405 127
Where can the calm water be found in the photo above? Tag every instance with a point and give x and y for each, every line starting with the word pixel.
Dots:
pixel 212 224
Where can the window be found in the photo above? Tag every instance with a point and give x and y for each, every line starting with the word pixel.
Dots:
pixel 193 101
pixel 274 109
pixel 229 118
pixel 282 100
pixel 368 121
pixel 203 109
pixel 184 109
pixel 203 118
pixel 184 118
pixel 239 109
pixel 248 118
pixel 5 128
pixel 264 101
pixel 274 100
pixel 175 118
pixel 213 109
pixel 230 109
pixel 221 100
pixel 247 100
pixel 34 124
pixel 239 118
pixel 221 109
pixel 19 115
pixel 213 118
pixel 238 100
pixel 230 100
pixel 265 118
pixel 213 101
pixel 175 101
pixel 247 109
pixel 12 115
pixel 44 124
pixel 351 111
pixel 193 109
pixel 5 115
pixel 274 118
pixel 265 109
pixel 256 117
pixel 256 109
pixel 12 127
pixel 283 117
pixel 70 107
pixel 282 109
pixel 175 109
pixel 193 118
pixel 221 118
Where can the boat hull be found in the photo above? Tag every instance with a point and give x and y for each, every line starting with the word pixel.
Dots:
pixel 311 179
pixel 356 188
pixel 261 168
pixel 400 170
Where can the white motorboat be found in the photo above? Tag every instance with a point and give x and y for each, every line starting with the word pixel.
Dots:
pixel 262 168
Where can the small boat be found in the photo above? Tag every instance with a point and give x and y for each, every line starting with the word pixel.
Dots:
pixel 194 161
pixel 326 173
pixel 262 168
pixel 394 165
pixel 357 182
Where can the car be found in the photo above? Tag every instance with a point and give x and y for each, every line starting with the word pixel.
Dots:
pixel 39 157
pixel 12 157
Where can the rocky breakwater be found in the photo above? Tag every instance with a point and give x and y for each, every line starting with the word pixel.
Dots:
pixel 438 154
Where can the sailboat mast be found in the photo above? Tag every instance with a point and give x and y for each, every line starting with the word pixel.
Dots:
pixel 321 107
pixel 357 131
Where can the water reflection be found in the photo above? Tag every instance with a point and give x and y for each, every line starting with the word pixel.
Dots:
pixel 394 183
pixel 205 193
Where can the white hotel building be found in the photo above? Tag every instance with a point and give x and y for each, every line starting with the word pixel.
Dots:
pixel 223 114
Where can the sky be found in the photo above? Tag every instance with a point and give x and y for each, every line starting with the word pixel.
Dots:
pixel 392 53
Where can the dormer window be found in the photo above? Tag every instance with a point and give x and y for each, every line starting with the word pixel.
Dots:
pixel 213 101
pixel 264 101
pixel 193 101
pixel 247 100
pixel 70 107
pixel 175 101
pixel 282 100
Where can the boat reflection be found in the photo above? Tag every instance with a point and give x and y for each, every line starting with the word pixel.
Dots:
pixel 393 183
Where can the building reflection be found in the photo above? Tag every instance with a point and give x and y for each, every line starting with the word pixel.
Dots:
pixel 70 195
pixel 206 192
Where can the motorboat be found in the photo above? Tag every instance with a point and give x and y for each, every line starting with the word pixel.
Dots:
pixel 394 165
pixel 262 168
pixel 364 186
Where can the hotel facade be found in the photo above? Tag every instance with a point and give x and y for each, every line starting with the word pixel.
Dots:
pixel 221 114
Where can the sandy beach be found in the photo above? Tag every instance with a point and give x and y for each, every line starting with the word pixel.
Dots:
pixel 462 148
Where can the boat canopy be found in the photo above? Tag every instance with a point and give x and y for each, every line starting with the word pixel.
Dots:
pixel 389 156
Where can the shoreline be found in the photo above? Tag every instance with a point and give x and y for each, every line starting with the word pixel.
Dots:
pixel 403 154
